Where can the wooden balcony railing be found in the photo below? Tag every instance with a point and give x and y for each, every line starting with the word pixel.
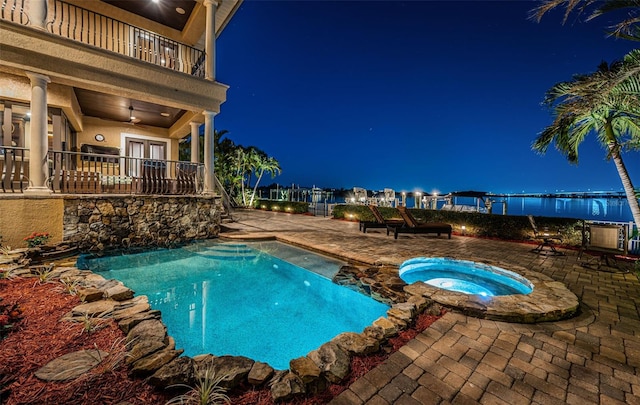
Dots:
pixel 92 173
pixel 82 25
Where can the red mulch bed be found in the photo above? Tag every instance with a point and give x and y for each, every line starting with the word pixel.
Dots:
pixel 40 337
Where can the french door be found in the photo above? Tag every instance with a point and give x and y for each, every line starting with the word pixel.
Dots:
pixel 141 150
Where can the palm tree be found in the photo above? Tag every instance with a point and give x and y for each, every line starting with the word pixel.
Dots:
pixel 628 28
pixel 606 103
pixel 265 164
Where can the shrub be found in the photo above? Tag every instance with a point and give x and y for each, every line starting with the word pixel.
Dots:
pixel 508 227
pixel 293 207
pixel 37 239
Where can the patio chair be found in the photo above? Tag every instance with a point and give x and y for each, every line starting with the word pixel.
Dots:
pixel 379 222
pixel 608 241
pixel 411 225
pixel 545 238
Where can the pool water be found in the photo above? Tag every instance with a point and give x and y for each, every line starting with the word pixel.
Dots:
pixel 240 299
pixel 464 276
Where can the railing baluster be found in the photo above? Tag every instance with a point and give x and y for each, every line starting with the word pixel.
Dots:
pixel 98 30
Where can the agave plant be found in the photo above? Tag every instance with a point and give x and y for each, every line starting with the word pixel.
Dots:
pixel 207 390
pixel 69 286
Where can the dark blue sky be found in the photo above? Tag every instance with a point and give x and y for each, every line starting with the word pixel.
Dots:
pixel 429 95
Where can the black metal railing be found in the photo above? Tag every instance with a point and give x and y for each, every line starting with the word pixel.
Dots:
pixel 14 169
pixel 89 173
pixel 13 10
pixel 104 32
pixel 88 27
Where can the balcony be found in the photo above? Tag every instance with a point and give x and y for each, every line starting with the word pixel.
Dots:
pixel 97 30
pixel 93 173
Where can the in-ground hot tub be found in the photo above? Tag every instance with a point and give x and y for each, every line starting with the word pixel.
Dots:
pixel 464 276
pixel 523 295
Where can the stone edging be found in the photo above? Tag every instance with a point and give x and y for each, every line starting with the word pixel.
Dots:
pixel 152 353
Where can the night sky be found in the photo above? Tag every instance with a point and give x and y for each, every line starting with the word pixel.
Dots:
pixel 430 95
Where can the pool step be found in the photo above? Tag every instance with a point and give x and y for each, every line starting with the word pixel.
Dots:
pixel 227 252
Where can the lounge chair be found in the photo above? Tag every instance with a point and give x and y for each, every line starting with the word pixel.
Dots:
pixel 410 225
pixel 545 238
pixel 379 221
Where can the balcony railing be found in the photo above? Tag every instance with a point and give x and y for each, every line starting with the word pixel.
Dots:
pixel 91 173
pixel 82 25
pixel 14 169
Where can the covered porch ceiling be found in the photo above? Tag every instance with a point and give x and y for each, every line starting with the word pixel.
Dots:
pixel 181 15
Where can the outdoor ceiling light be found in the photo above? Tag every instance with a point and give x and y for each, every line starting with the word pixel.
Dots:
pixel 131 116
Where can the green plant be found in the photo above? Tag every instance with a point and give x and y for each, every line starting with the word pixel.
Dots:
pixel 37 239
pixel 118 353
pixel 207 390
pixel 7 273
pixel 43 273
pixel 9 315
pixel 92 323
pixel 69 286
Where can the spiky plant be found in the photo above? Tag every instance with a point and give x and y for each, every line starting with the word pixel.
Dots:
pixel 207 390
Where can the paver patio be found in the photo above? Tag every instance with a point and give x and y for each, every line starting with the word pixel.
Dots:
pixel 593 358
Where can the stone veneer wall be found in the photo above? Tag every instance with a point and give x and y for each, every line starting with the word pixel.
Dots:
pixel 103 222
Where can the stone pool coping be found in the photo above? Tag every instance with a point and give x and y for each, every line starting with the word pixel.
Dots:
pixel 550 300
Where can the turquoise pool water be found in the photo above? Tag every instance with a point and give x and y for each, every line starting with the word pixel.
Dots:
pixel 464 276
pixel 241 299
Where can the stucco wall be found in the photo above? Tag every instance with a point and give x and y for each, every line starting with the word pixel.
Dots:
pixel 97 223
pixel 20 217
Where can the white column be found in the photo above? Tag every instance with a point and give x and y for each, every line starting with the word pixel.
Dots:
pixel 210 40
pixel 38 135
pixel 38 14
pixel 195 142
pixel 209 144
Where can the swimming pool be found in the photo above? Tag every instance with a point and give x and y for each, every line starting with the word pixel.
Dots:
pixel 243 299
pixel 464 276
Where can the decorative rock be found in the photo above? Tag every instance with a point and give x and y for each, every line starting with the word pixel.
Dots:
pixel 89 294
pixel 332 360
pixel 259 373
pixel 144 348
pixel 150 364
pixel 128 323
pixel 97 308
pixel 119 293
pixel 119 314
pixel 285 386
pixel 356 343
pixel 148 330
pixel 403 310
pixel 178 371
pixel 420 302
pixel 71 365
pixel 304 368
pixel 234 369
pixel 389 329
pixel 374 332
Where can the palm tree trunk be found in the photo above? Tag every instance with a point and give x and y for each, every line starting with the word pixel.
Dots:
pixel 626 183
pixel 255 188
